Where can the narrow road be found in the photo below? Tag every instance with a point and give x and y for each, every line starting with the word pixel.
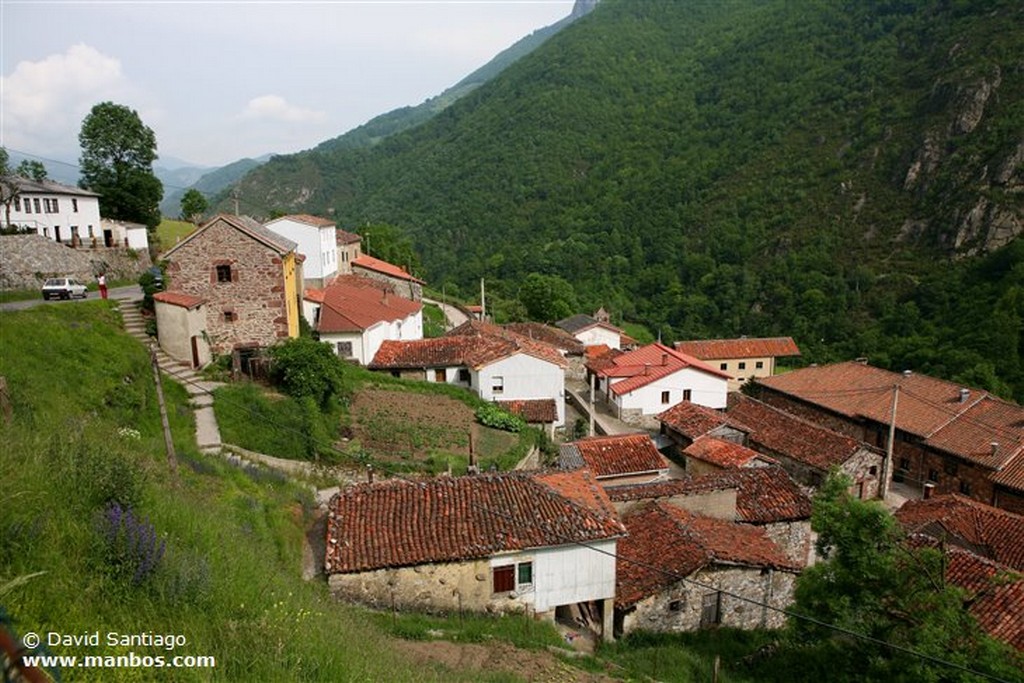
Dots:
pixel 120 293
pixel 453 316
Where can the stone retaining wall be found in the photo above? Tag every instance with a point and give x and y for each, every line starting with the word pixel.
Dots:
pixel 27 260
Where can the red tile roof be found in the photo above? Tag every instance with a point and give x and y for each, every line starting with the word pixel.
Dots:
pixel 179 299
pixel 779 433
pixel 995 593
pixel 398 523
pixel 314 295
pixel 385 268
pixel 983 529
pixel 614 456
pixel 647 364
pixel 343 237
pixel 528 345
pixel 721 349
pixel 560 339
pixel 963 424
pixel 474 345
pixel 692 420
pixel 1012 475
pixel 352 303
pixel 534 411
pixel 666 544
pixel 721 453
pixel 764 495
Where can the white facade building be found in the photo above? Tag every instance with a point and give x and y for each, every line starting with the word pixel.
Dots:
pixel 60 212
pixel 522 377
pixel 316 239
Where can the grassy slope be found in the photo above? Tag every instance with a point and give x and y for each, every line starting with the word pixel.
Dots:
pixel 230 579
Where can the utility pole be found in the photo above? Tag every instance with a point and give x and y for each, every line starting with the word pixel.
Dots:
pixel 591 411
pixel 234 197
pixel 172 458
pixel 883 485
pixel 483 302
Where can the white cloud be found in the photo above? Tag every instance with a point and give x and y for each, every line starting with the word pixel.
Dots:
pixel 44 102
pixel 275 108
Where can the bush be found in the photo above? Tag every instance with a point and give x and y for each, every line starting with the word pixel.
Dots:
pixel 491 415
pixel 307 368
pixel 130 549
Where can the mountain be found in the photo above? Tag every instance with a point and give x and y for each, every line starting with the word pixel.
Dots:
pixel 819 169
pixel 210 182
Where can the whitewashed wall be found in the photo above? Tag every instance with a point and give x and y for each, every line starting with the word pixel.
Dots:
pixel 566 575
pixel 315 243
pixel 706 390
pixel 524 377
pixel 87 215
pixel 595 336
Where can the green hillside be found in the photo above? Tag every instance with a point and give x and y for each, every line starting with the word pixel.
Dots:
pixel 816 169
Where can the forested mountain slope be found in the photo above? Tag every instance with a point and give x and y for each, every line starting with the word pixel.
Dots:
pixel 814 169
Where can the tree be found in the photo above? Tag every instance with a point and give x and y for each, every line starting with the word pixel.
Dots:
pixel 118 152
pixel 32 169
pixel 9 188
pixel 548 297
pixel 306 368
pixel 193 206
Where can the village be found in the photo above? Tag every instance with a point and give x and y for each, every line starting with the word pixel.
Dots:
pixel 681 495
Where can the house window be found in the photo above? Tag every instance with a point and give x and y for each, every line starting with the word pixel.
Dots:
pixel 28 206
pixel 759 365
pixel 965 488
pixel 464 376
pixel 344 349
pixel 223 273
pixel 664 397
pixel 743 366
pixel 17 203
pixel 904 463
pixel 816 479
pixel 440 375
pixel 505 579
pixel 74 205
pixel 230 316
pixel 35 203
pixel 687 394
pixel 525 574
pixel 711 609
pixel 723 366
pixel 933 475
pixel 950 468
pixel 873 471
pixel 498 385
pixel 675 606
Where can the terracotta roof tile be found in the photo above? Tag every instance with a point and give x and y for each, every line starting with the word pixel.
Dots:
pixel 722 453
pixel 527 345
pixel 179 299
pixel 764 495
pixel 949 416
pixel 352 303
pixel 534 411
pixel 666 543
pixel 988 531
pixel 692 420
pixel 647 364
pixel 560 339
pixel 342 237
pixel 397 523
pixel 720 349
pixel 581 321
pixel 614 456
pixel 426 353
pixel 1012 475
pixel 777 432
pixel 385 268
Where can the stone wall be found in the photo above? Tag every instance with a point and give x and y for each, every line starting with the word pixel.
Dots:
pixel 794 538
pixel 406 288
pixel 679 607
pixel 27 260
pixel 436 588
pixel 255 297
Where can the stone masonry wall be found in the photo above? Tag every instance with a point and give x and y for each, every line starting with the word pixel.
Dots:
pixel 432 588
pixel 27 260
pixel 255 296
pixel 679 607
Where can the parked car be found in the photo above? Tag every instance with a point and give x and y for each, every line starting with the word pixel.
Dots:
pixel 63 288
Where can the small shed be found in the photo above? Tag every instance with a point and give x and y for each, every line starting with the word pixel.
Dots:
pixel 181 327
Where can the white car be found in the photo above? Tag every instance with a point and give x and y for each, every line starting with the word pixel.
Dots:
pixel 63 288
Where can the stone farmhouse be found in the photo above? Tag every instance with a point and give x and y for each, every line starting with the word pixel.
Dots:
pixel 685 422
pixel 948 438
pixel 616 460
pixel 639 384
pixel 709 454
pixel 403 282
pixel 498 365
pixel 248 280
pixel 539 542
pixel 744 358
pixel 62 213
pixel 681 571
pixel 984 552
pixel 355 315
pixel 315 239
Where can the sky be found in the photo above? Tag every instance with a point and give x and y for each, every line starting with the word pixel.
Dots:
pixel 221 81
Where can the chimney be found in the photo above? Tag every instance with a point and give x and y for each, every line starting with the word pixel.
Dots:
pixel 664 359
pixel 995 447
pixel 964 395
pixel 384 299
pixel 907 373
pixel 647 368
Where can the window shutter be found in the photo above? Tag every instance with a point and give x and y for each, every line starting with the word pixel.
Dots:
pixel 504 579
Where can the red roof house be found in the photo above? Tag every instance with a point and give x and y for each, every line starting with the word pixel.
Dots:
pixel 616 460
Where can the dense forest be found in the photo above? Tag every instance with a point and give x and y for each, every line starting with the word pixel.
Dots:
pixel 846 173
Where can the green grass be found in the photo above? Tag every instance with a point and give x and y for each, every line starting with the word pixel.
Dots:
pixel 433 321
pixel 170 231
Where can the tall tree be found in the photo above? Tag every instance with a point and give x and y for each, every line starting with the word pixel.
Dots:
pixel 32 169
pixel 118 152
pixel 9 188
pixel 193 206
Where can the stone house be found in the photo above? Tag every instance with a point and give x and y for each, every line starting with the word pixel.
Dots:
pixel 249 278
pixel 639 384
pixel 765 497
pixel 744 358
pixel 681 571
pixel 404 282
pixel 350 247
pixel 315 239
pixel 62 213
pixel 496 364
pixel 686 421
pixel 708 454
pixel 616 460
pixel 355 315
pixel 542 543
pixel 948 438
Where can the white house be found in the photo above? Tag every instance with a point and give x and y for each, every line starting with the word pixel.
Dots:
pixel 537 542
pixel 497 364
pixel 315 238
pixel 122 234
pixel 60 212
pixel 355 315
pixel 646 381
pixel 595 330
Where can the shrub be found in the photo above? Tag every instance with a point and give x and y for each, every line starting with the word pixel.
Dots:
pixel 491 415
pixel 130 548
pixel 305 367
